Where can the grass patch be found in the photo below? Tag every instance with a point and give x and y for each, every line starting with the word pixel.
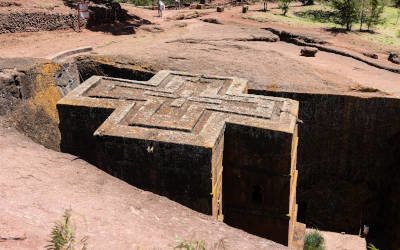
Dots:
pixel 321 16
pixel 387 32
pixel 314 15
pixel 191 245
pixel 314 241
pixel 371 247
pixel 62 236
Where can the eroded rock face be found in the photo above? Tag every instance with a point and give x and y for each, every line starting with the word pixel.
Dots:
pixel 13 88
pixel 30 89
pixel 348 162
pixel 15 82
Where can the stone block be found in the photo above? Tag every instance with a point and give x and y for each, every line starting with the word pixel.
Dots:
pixel 308 51
pixel 199 140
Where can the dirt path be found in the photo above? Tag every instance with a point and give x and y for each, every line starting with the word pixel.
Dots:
pixel 37 184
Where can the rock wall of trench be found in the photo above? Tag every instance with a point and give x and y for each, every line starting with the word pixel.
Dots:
pixel 31 88
pixel 348 160
pixel 28 98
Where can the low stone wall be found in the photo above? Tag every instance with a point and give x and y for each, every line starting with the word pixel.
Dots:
pixel 33 22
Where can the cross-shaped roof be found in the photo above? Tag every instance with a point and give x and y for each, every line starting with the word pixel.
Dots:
pixel 181 108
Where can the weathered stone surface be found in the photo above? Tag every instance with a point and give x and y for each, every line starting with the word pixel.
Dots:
pixel 15 82
pixel 9 4
pixel 371 55
pixel 220 8
pixel 308 51
pixel 30 22
pixel 199 140
pixel 211 20
pixel 348 160
pixel 199 6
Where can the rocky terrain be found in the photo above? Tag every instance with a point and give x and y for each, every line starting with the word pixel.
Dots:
pixel 348 107
pixel 38 184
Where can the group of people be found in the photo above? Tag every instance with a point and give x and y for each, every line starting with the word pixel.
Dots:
pixel 161 6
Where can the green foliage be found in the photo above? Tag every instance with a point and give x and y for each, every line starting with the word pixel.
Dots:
pixel 153 2
pixel 284 6
pixel 346 12
pixel 191 245
pixel 374 12
pixel 317 15
pixel 314 241
pixel 62 236
pixel 371 247
pixel 307 2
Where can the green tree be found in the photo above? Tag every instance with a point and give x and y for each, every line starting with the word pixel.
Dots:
pixel 374 13
pixel 308 2
pixel 347 12
pixel 284 6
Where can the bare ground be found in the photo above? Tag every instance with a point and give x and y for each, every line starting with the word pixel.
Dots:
pixel 201 47
pixel 38 184
pixel 54 6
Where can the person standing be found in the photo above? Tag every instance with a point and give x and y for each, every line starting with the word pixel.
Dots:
pixel 177 4
pixel 161 8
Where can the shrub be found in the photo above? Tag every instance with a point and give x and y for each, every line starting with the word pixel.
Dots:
pixel 346 12
pixel 284 6
pixel 62 235
pixel 371 247
pixel 374 13
pixel 191 245
pixel 308 2
pixel 314 241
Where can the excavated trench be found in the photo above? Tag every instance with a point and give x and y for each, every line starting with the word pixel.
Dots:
pixel 348 158
pixel 31 88
pixel 348 148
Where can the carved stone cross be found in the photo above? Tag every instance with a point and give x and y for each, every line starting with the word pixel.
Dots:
pixel 192 138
